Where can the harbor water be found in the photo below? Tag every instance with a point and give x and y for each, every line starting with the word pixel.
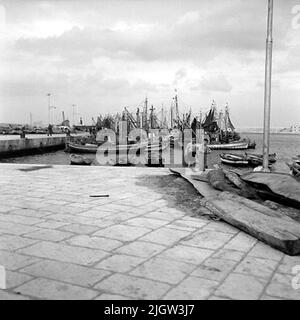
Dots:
pixel 284 145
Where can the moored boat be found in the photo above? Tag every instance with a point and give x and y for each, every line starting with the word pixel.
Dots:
pixel 229 146
pixel 92 148
pixel 257 159
pixel 247 159
pixel 295 167
pixel 234 160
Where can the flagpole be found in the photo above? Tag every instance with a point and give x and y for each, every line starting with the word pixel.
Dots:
pixel 268 79
pixel 49 94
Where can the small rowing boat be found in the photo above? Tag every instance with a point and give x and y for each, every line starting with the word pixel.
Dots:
pixel 246 159
pixel 236 145
pixel 234 160
pixel 92 148
pixel 295 167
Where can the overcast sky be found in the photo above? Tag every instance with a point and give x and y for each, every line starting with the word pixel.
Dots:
pixel 104 55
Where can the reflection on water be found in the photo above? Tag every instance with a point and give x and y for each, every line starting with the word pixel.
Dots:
pixel 286 146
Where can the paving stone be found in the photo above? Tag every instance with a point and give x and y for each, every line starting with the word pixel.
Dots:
pixel 217 298
pixel 241 242
pixel 30 205
pixel 79 205
pixel 49 234
pixel 258 267
pixel 177 227
pixel 214 269
pixel 57 202
pixel 14 261
pixel 120 263
pixel 94 242
pixel 229 254
pixel 64 217
pixel 207 239
pixel 164 270
pixel 50 289
pixel 288 263
pixel 281 286
pixel 165 236
pixel 163 215
pixel 146 222
pixel 241 287
pixel 262 250
pixel 114 218
pixel 114 207
pixel 66 272
pixel 133 287
pixel 141 249
pixel 14 279
pixel 5 295
pixel 11 242
pixel 79 228
pixel 5 208
pixel 195 224
pixel 186 254
pixel 63 209
pixel 9 217
pixel 30 213
pixel 109 296
pixel 65 253
pixel 122 232
pixel 51 224
pixel 221 226
pixel 266 297
pixel 13 228
pixel 95 213
pixel 192 288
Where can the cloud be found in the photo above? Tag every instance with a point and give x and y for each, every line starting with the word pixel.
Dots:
pixel 191 36
pixel 179 75
pixel 105 54
pixel 215 83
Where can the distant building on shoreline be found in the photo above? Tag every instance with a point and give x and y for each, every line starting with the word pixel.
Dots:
pixel 291 129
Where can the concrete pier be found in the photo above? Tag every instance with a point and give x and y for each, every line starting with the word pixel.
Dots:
pixel 57 242
pixel 14 145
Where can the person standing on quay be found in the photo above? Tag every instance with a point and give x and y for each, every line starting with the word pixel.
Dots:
pixel 50 130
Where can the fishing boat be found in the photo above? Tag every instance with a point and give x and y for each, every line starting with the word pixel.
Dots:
pixel 235 145
pixel 247 159
pixel 257 159
pixel 234 160
pixel 80 160
pixel 221 131
pixel 92 148
pixel 295 167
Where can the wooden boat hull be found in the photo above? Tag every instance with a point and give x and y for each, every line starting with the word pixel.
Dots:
pixel 283 187
pixel 234 160
pixel 229 146
pixel 93 149
pixel 246 159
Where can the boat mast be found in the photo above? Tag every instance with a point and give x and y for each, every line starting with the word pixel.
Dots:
pixel 146 114
pixel 176 105
pixel 268 79
pixel 171 115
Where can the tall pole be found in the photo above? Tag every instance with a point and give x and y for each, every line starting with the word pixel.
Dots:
pixel 268 79
pixel 73 106
pixel 49 106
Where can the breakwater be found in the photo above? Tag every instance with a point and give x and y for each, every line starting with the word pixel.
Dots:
pixel 30 145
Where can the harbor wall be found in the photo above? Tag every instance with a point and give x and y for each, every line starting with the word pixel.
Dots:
pixel 30 145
